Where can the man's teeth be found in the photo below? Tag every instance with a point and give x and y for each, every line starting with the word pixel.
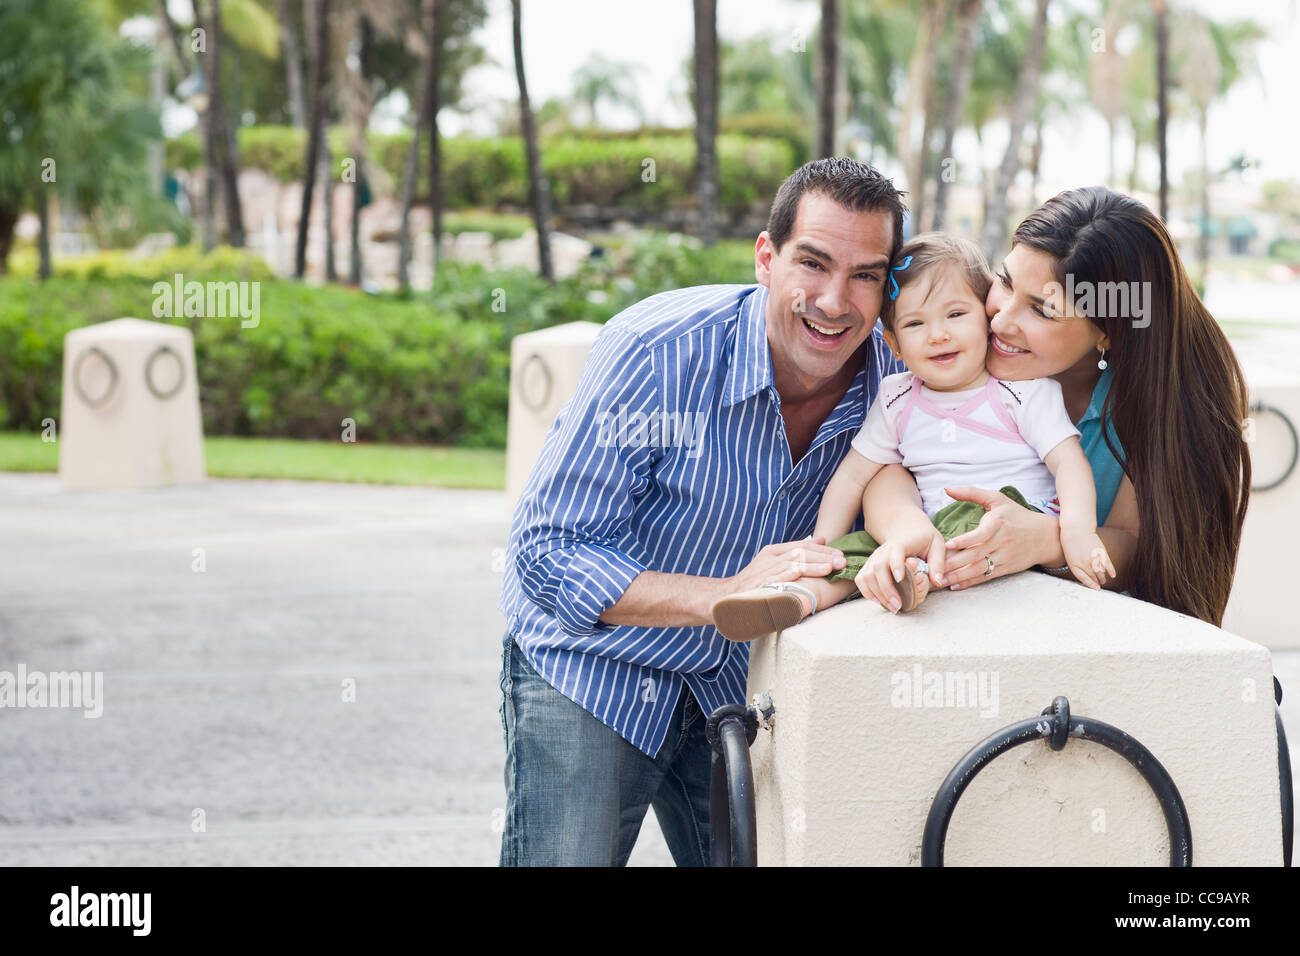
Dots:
pixel 824 331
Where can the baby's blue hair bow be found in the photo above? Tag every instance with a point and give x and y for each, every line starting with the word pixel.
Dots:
pixel 893 283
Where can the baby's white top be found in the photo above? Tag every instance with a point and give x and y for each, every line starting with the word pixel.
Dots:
pixel 946 446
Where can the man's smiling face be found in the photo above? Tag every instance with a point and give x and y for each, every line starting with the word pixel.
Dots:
pixel 826 285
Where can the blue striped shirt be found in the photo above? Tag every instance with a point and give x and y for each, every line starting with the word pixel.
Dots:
pixel 671 456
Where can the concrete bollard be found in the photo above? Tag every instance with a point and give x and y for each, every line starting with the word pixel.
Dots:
pixel 544 370
pixel 873 711
pixel 130 415
pixel 1272 521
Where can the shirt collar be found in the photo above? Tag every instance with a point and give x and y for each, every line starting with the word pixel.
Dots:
pixel 751 358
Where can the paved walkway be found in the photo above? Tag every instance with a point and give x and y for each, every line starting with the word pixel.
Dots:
pixel 223 688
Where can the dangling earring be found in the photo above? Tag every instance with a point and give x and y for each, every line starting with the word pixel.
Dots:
pixel 1101 362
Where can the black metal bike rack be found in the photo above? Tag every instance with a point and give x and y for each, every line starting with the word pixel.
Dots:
pixel 1284 777
pixel 733 820
pixel 1295 445
pixel 1056 731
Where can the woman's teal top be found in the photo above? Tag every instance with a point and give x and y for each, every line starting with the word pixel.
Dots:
pixel 1107 473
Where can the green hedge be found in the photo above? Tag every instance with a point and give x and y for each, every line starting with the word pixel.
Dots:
pixel 430 368
pixel 492 172
pixel 401 371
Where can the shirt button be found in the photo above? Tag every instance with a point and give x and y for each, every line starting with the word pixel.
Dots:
pixel 780 495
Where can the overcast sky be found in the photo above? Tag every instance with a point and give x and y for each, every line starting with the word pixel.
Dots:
pixel 1259 116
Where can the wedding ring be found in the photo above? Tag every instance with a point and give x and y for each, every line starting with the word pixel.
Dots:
pixel 989 558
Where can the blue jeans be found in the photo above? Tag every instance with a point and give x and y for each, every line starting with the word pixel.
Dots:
pixel 577 792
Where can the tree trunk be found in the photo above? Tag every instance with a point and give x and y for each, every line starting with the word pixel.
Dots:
pixel 538 193
pixel 157 93
pixel 995 223
pixel 433 102
pixel 706 116
pixel 1203 240
pixel 967 11
pixel 292 65
pixel 317 35
pixel 361 116
pixel 209 183
pixel 830 44
pixel 43 214
pixel 209 150
pixel 8 222
pixel 1162 103
pixel 169 27
pixel 327 197
pixel 932 26
pixel 1133 170
pixel 1035 161
pixel 224 133
pixel 412 169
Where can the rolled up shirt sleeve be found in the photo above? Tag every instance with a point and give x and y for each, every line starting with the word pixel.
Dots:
pixel 596 461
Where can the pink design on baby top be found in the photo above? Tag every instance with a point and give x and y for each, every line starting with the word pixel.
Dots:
pixel 962 415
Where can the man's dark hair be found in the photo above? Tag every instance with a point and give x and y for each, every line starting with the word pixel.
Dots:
pixel 852 184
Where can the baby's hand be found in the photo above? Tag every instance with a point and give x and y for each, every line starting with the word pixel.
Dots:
pixel 878 583
pixel 1087 557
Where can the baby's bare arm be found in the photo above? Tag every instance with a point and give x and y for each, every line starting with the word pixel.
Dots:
pixel 1084 550
pixel 1074 487
pixel 842 502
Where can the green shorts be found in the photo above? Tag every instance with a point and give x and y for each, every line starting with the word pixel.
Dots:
pixel 951 520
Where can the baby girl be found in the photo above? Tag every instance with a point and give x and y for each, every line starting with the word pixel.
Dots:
pixel 951 424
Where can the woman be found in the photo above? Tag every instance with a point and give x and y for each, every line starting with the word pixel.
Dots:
pixel 1172 468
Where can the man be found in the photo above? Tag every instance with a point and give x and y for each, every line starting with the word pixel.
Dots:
pixel 688 465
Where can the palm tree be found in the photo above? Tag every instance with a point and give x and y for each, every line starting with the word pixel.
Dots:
pixel 706 116
pixel 921 76
pixel 1212 57
pixel 600 80
pixel 995 219
pixel 427 82
pixel 292 65
pixel 1139 97
pixel 538 194
pixel 1162 102
pixel 958 86
pixel 876 41
pixel 361 102
pixel 830 47
pixel 219 129
pixel 1106 82
pixel 317 54
pixel 433 103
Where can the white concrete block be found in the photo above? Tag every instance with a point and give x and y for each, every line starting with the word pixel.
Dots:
pixel 1272 522
pixel 114 430
pixel 852 763
pixel 544 370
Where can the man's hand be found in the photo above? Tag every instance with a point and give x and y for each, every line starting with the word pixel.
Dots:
pixel 655 599
pixel 787 561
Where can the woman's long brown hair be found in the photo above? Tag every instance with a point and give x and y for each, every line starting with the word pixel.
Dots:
pixel 1178 399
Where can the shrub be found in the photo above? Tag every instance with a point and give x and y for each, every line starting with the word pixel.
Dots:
pixel 492 172
pixel 430 368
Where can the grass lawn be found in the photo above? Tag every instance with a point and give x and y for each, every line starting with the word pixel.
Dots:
pixel 306 460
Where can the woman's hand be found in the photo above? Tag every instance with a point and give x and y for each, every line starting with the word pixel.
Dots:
pixel 1009 533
